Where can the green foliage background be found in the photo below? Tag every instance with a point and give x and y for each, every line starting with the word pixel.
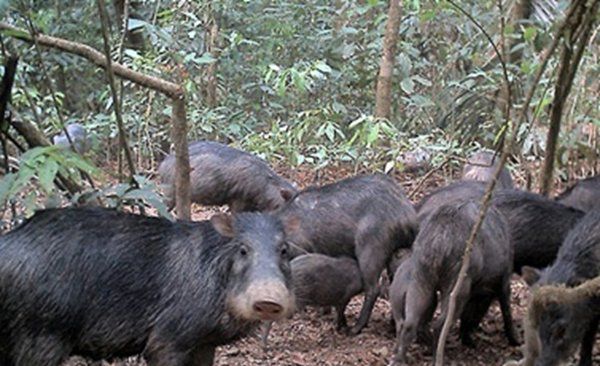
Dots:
pixel 296 80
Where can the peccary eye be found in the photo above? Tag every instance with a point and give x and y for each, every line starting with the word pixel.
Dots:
pixel 284 251
pixel 243 251
pixel 559 333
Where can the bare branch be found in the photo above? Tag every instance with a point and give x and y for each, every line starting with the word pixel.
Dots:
pixel 170 89
pixel 113 90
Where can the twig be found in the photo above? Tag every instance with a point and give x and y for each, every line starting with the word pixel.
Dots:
pixel 485 202
pixel 423 179
pixel 113 89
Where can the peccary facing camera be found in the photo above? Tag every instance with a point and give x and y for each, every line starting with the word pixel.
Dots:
pixel 103 284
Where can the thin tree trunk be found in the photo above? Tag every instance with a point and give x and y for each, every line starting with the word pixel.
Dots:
pixel 182 160
pixel 521 12
pixel 383 97
pixel 113 89
pixel 211 72
pixel 573 46
pixel 61 84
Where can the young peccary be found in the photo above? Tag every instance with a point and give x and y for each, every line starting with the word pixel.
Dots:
pixel 320 280
pixel 366 217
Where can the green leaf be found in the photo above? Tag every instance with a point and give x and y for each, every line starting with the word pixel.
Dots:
pixel 282 85
pixel 373 134
pixel 422 80
pixel 339 108
pixel 30 203
pixel 356 122
pixel 407 85
pixel 323 67
pixel 15 33
pixel 6 184
pixel 427 15
pixel 206 58
pixel 405 65
pixel 529 33
pixel 131 53
pixel 134 24
pixel 47 174
pixel 298 80
pixel 421 101
pixel 23 177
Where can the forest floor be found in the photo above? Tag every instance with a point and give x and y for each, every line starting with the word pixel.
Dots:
pixel 310 338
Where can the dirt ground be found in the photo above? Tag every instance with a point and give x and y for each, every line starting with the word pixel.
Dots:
pixel 310 338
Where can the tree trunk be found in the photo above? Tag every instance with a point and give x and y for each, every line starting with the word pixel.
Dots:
pixel 574 44
pixel 383 97
pixel 521 12
pixel 113 89
pixel 211 71
pixel 182 160
pixel 61 84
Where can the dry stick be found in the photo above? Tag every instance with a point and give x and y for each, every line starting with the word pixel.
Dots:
pixel 113 90
pixel 172 90
pixel 427 176
pixel 466 259
pixel 568 65
pixel 124 28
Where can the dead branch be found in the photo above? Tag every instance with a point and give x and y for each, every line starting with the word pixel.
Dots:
pixel 113 90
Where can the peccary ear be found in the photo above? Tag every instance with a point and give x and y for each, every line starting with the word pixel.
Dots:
pixel 287 194
pixel 223 224
pixel 530 275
